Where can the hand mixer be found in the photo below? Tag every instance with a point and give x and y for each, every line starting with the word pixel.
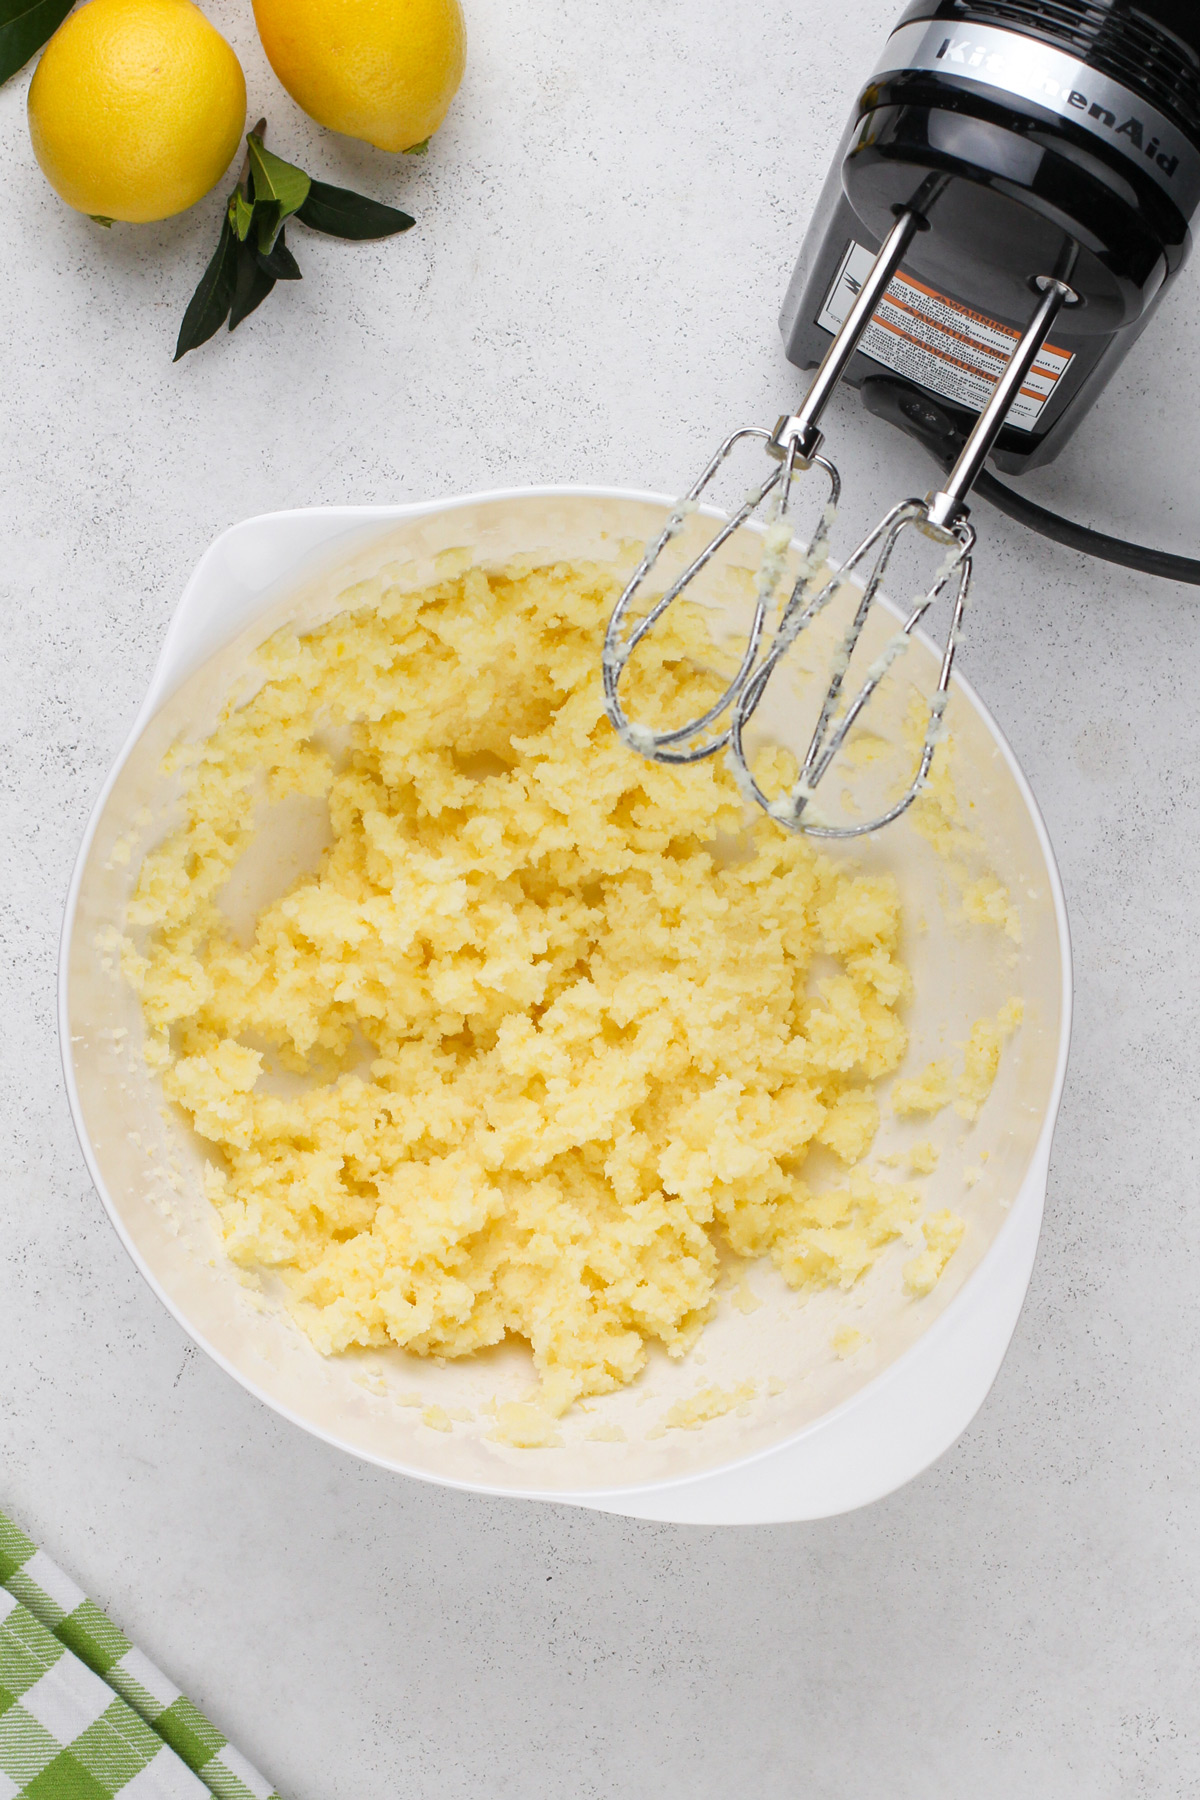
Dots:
pixel 1012 169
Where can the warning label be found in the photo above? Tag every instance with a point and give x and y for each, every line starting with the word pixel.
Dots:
pixel 940 344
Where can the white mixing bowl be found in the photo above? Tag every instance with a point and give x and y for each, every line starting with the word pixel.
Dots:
pixel 823 1433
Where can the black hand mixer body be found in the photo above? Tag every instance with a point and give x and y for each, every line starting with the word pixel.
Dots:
pixel 1032 136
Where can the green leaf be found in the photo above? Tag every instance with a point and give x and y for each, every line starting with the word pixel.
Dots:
pixel 276 180
pixel 279 261
pixel 340 213
pixel 252 286
pixel 268 222
pixel 241 214
pixel 25 25
pixel 421 149
pixel 209 305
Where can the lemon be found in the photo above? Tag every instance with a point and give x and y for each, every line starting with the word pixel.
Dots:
pixel 136 108
pixel 383 70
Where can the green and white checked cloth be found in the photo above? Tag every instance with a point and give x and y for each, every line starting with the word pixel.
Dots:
pixel 85 1716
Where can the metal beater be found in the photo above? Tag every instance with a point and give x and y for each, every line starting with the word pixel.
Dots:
pixel 795 449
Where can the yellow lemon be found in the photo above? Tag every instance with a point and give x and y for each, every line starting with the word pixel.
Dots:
pixel 136 108
pixel 383 70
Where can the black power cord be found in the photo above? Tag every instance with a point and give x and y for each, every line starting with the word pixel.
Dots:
pixel 901 405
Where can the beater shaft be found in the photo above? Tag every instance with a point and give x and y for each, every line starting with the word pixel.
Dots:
pixel 948 503
pixel 802 428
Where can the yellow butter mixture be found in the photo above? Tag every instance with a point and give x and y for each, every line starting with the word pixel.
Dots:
pixel 569 1024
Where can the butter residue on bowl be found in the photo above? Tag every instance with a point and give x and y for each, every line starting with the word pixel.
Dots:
pixel 927 1092
pixel 981 1057
pixel 554 1007
pixel 943 1232
pixel 937 814
pixel 935 1086
pixel 703 1407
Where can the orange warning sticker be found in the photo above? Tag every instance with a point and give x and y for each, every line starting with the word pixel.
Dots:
pixel 939 343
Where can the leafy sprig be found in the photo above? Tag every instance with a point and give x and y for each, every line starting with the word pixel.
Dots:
pixel 252 252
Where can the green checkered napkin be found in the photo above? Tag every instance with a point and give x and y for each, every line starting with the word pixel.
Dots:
pixel 85 1716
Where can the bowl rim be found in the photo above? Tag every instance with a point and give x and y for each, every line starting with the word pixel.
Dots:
pixel 607 1497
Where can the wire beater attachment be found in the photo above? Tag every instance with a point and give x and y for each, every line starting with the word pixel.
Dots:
pixel 792 809
pixel 626 630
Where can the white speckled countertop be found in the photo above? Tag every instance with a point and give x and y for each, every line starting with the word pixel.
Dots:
pixel 606 227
